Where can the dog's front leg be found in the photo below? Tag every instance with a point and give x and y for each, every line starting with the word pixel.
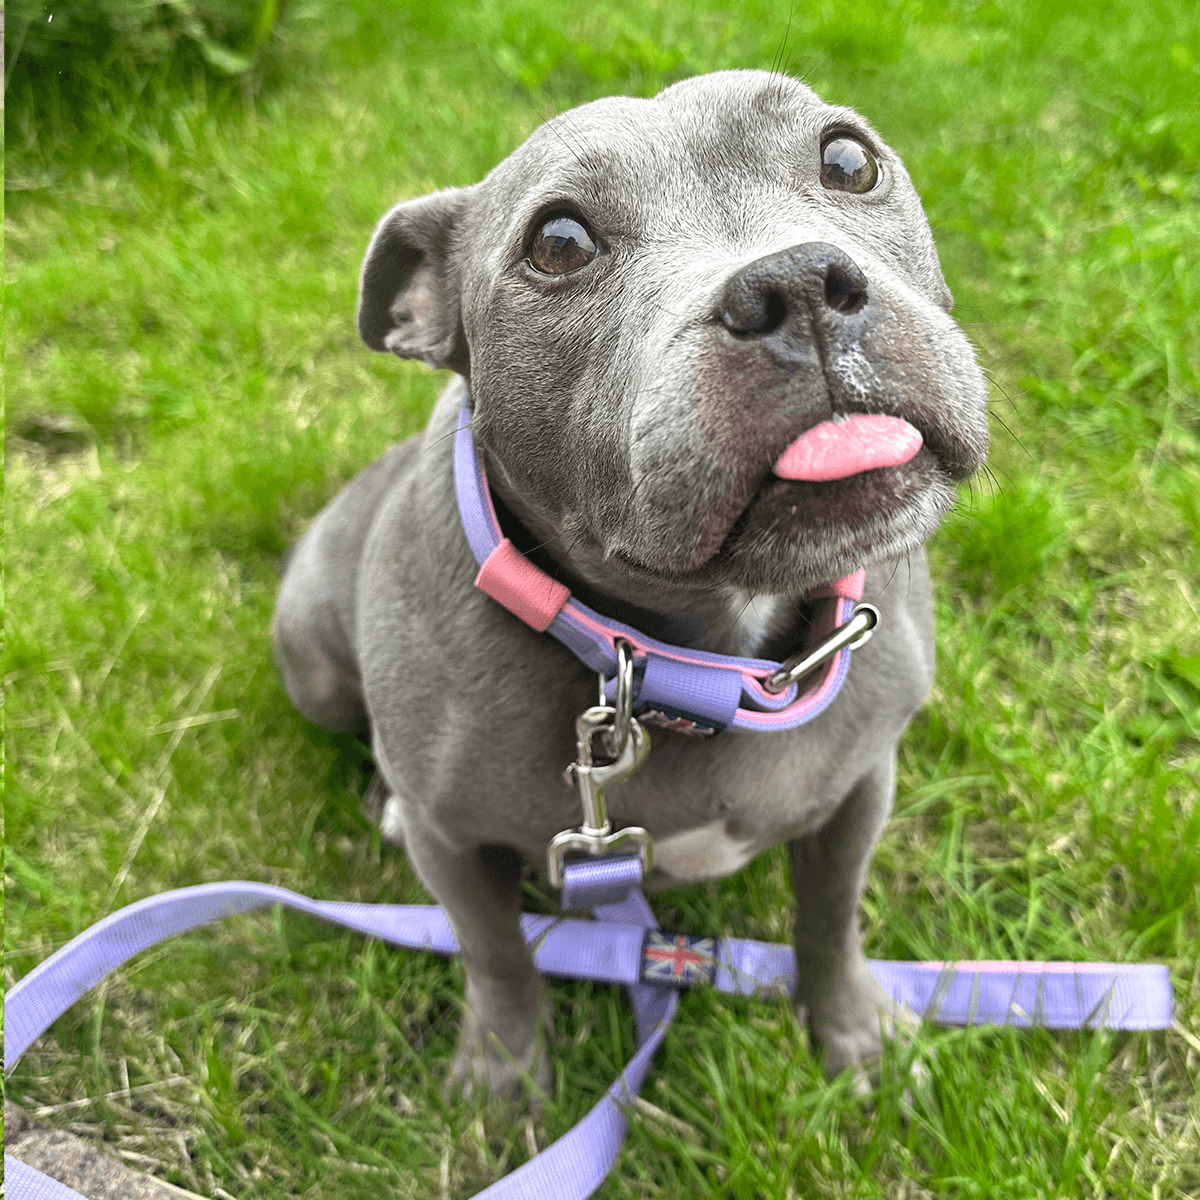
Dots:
pixel 500 1048
pixel 847 1011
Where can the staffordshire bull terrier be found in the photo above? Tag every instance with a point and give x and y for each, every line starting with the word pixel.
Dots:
pixel 705 360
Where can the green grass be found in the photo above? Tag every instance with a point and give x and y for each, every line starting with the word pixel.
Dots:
pixel 185 388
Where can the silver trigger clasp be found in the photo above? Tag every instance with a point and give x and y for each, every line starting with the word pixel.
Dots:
pixel 610 731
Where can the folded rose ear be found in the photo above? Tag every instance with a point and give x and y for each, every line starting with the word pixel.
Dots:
pixel 408 296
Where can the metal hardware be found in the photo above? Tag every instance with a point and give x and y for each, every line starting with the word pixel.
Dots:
pixel 592 778
pixel 613 733
pixel 595 836
pixel 622 701
pixel 854 633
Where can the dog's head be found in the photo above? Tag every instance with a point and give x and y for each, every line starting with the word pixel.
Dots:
pixel 653 299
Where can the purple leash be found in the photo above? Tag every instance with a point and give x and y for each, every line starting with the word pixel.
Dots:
pixel 618 947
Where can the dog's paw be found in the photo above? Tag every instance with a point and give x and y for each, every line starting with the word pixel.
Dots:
pixel 852 1023
pixel 492 1072
pixel 382 806
pixel 482 1064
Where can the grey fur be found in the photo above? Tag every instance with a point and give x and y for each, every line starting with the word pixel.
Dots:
pixel 629 414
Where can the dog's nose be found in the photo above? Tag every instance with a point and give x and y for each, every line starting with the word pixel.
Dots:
pixel 812 282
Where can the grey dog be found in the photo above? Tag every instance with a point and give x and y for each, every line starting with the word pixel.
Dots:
pixel 649 300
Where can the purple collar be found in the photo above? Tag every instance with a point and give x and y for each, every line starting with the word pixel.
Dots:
pixel 689 690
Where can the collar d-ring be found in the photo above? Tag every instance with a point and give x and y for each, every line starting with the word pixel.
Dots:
pixel 622 704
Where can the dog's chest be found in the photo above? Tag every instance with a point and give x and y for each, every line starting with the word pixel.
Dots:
pixel 706 852
pixel 712 806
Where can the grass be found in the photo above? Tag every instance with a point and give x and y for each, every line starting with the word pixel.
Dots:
pixel 185 389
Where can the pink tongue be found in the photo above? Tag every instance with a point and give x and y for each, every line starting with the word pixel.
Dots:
pixel 839 449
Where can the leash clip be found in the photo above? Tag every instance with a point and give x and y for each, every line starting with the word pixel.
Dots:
pixel 617 735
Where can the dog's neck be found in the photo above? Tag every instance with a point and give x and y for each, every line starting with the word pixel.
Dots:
pixel 723 620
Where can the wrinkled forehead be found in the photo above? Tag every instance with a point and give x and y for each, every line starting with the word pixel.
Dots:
pixel 710 139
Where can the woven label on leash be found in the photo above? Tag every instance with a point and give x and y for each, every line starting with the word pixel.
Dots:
pixel 678 959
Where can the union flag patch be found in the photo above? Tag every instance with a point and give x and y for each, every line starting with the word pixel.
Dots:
pixel 657 719
pixel 677 959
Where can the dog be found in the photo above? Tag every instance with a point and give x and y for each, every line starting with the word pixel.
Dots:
pixel 653 307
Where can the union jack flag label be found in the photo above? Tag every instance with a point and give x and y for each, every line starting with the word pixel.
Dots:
pixel 657 719
pixel 678 959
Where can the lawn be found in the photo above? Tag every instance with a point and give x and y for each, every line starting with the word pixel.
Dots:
pixel 185 389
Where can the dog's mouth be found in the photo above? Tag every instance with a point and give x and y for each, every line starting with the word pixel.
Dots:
pixel 841 448
pixel 847 471
pixel 845 492
pixel 796 532
pixel 783 508
pixel 851 477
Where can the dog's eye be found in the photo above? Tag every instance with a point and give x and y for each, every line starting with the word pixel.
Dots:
pixel 562 245
pixel 848 166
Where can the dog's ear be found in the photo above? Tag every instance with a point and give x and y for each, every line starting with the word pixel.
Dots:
pixel 408 296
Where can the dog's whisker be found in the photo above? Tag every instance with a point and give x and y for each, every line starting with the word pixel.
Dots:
pixel 993 479
pixel 895 568
pixel 780 56
pixel 1007 429
pixel 1001 389
pixel 565 119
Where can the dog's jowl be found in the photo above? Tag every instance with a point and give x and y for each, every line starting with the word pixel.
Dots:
pixel 704 347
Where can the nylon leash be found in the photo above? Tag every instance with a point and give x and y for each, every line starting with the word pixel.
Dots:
pixel 619 947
